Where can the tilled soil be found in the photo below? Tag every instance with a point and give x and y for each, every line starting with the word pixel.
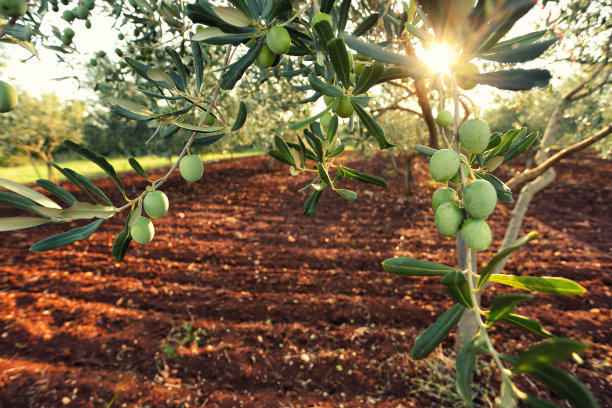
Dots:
pixel 242 301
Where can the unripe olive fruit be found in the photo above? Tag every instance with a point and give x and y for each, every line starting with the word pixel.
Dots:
pixel 90 4
pixel 329 99
pixel 191 168
pixel 441 196
pixel 87 24
pixel 69 32
pixel 462 71
pixel 321 17
pixel 65 2
pixel 344 107
pixel 93 62
pixel 448 218
pixel 476 234
pixel 474 135
pixel 444 164
pixel 359 68
pixel 68 15
pixel 266 58
pixel 444 118
pixel 82 12
pixel 13 8
pixel 143 231
pixel 325 119
pixel 278 40
pixel 65 39
pixel 210 119
pixel 8 97
pixel 466 170
pixel 120 36
pixel 479 198
pixel 156 204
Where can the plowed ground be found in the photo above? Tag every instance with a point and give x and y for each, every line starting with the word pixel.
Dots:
pixel 242 301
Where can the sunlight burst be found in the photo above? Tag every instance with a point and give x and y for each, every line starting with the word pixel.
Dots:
pixel 438 57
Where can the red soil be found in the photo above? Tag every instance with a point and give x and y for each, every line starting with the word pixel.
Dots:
pixel 291 311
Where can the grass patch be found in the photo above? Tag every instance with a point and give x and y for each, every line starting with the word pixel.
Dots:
pixel 25 174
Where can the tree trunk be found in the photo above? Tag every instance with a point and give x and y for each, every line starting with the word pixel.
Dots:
pixel 408 175
pixel 33 163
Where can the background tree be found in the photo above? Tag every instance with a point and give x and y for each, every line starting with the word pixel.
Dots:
pixel 39 126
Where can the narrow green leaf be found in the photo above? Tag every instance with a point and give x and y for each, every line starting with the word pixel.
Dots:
pixel 420 34
pixel 518 41
pixel 18 202
pixel 464 366
pixel 121 245
pixel 514 151
pixel 540 403
pixel 86 183
pixel 57 191
pixel 28 193
pixel 280 157
pixel 306 122
pixel 503 305
pixel 332 128
pixel 520 53
pixel 552 351
pixel 343 14
pixel 284 149
pixel 310 205
pixel 413 67
pixel 327 6
pixel 369 77
pixel 527 324
pixel 138 168
pixel 241 117
pixel 425 150
pixel 429 339
pixel 458 287
pixel 372 126
pixel 198 129
pixel 323 87
pixel 17 223
pixel 486 272
pixel 324 176
pixel 414 267
pixel 340 60
pixel 198 63
pixel 66 238
pixel 515 79
pixel 369 22
pixel 204 141
pixel 544 284
pixel 73 180
pixel 178 62
pixel 98 160
pixel 563 384
pixel 237 70
pixel 347 194
pixel 364 177
pixel 324 32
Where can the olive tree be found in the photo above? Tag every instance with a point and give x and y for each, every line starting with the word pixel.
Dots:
pixel 309 43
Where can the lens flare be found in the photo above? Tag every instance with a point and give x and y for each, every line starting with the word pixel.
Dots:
pixel 438 57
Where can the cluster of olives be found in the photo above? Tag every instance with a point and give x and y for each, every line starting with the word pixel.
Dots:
pixel 156 203
pixel 479 196
pixel 278 42
pixel 80 12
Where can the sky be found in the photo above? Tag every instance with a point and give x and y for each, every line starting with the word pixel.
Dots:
pixel 36 76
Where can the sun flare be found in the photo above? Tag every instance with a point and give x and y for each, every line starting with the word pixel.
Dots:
pixel 438 57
